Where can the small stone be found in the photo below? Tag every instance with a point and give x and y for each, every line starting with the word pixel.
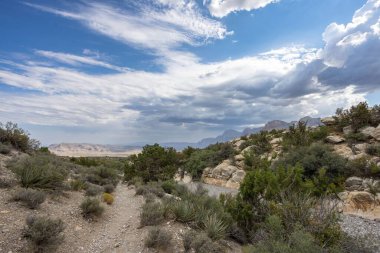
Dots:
pixel 117 245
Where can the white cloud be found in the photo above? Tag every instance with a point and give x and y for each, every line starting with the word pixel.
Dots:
pixel 76 60
pixel 190 96
pixel 159 26
pixel 221 8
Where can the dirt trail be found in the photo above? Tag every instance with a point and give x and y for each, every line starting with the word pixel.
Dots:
pixel 117 231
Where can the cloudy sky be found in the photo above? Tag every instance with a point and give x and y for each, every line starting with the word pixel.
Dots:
pixel 127 71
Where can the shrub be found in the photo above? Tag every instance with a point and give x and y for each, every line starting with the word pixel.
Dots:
pixel 183 211
pixel 356 137
pixel 158 238
pixel 136 181
pixel 102 175
pixel 108 198
pixel 315 157
pixel 93 190
pixel 259 143
pixel 40 171
pixel 17 137
pixel 152 214
pixel 4 149
pixel 6 183
pixel 197 162
pixel 357 116
pixel 91 208
pixel 109 188
pixel 44 232
pixel 151 187
pixel 153 163
pixel 297 136
pixel 320 133
pixel 32 198
pixel 77 185
pixel 373 149
pixel 168 186
pixel 214 227
pixel 200 243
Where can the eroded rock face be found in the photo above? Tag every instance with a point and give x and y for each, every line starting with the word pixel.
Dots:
pixel 347 130
pixel 360 148
pixel 343 150
pixel 361 200
pixel 225 174
pixel 334 139
pixel 354 184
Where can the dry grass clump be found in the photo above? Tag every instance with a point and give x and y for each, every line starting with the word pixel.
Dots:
pixel 152 214
pixel 32 198
pixel 158 238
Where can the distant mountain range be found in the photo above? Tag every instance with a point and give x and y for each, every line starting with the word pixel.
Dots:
pixel 85 149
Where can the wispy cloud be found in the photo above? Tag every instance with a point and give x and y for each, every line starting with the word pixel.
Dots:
pixel 221 8
pixel 77 60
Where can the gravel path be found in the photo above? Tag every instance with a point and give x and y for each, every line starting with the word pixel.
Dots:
pixel 368 230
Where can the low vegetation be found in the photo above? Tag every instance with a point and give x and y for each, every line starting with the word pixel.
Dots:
pixel 31 198
pixel 44 232
pixel 16 137
pixel 158 238
pixel 91 208
pixel 107 198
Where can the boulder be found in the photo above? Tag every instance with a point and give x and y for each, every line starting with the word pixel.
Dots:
pixel 238 143
pixel 359 148
pixel 347 130
pixel 276 141
pixel 328 121
pixel 239 157
pixel 367 131
pixel 361 200
pixel 334 139
pixel 247 149
pixel 343 196
pixel 354 184
pixel 376 133
pixel 223 171
pixel 236 179
pixel 343 150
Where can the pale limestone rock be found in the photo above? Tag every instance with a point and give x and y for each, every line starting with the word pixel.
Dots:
pixel 334 139
pixel 371 132
pixel 239 157
pixel 276 141
pixel 328 121
pixel 360 148
pixel 343 150
pixel 347 130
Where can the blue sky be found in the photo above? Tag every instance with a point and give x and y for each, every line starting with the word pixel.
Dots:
pixel 119 72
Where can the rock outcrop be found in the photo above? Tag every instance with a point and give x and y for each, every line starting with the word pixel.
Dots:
pixel 225 174
pixel 335 139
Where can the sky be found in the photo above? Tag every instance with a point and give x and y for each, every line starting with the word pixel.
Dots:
pixel 120 72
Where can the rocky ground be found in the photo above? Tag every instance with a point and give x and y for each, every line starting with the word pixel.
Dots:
pixel 116 231
pixel 364 229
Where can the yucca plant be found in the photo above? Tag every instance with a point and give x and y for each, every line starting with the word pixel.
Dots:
pixel 214 227
pixel 184 211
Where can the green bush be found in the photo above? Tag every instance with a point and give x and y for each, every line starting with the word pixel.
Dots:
pixel 356 137
pixel 32 198
pixel 40 171
pixel 11 134
pixel 158 238
pixel 4 149
pixel 259 143
pixel 91 208
pixel 320 133
pixel 152 164
pixel 373 149
pixel 357 116
pixel 168 186
pixel 362 167
pixel 152 214
pixel 102 175
pixel 315 157
pixel 297 136
pixel 44 232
